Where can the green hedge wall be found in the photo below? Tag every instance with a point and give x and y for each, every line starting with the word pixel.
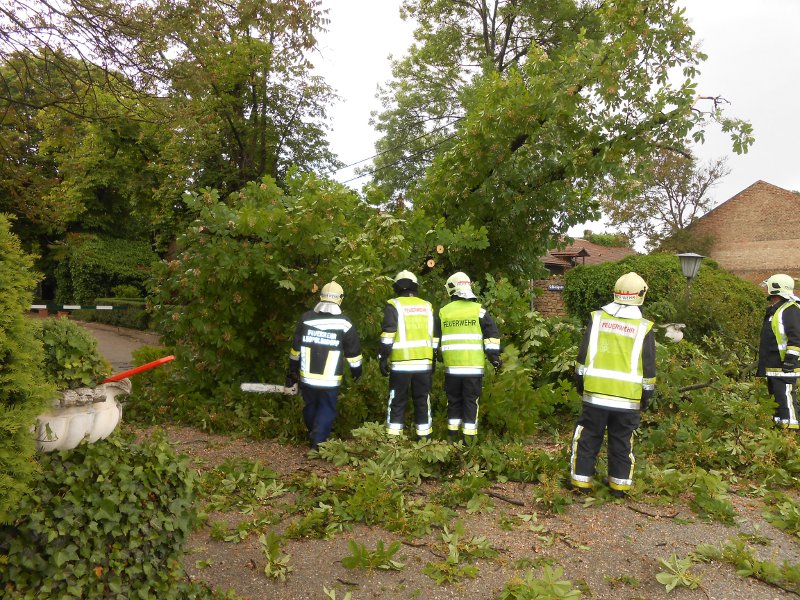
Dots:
pixel 94 265
pixel 720 302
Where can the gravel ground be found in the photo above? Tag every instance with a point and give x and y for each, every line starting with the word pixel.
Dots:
pixel 610 551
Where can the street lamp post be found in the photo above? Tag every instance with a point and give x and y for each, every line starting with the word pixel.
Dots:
pixel 690 265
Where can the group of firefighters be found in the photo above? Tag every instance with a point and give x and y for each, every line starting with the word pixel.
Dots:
pixel 413 338
pixel 615 372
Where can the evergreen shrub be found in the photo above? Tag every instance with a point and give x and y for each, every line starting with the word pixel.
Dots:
pixel 105 520
pixel 24 392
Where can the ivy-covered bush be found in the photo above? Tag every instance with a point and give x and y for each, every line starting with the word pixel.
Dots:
pixel 105 520
pixel 720 302
pixel 23 390
pixel 71 357
pixel 92 265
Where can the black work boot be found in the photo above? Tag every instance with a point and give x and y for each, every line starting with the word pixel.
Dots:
pixel 615 493
pixel 452 436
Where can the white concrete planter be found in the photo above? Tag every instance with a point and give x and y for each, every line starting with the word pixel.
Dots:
pixel 85 413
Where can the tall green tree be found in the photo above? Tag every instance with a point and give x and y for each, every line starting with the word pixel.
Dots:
pixel 64 172
pixel 243 101
pixel 27 176
pixel 569 122
pixel 455 44
pixel 226 87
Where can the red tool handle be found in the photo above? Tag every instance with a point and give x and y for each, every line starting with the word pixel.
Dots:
pixel 134 371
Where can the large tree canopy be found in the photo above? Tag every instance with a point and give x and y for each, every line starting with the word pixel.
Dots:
pixel 113 109
pixel 456 42
pixel 548 125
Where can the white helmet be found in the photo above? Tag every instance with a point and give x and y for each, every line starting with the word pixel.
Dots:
pixel 405 281
pixel 332 292
pixel 780 285
pixel 405 275
pixel 458 284
pixel 630 289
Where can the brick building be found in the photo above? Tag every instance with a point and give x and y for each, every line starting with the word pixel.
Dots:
pixel 549 302
pixel 754 234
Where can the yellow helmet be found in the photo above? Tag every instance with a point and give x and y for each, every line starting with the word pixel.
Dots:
pixel 630 289
pixel 780 285
pixel 332 292
pixel 458 284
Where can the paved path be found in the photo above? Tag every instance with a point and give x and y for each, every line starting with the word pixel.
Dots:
pixel 117 344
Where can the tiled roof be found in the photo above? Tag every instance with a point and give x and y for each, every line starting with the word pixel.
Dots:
pixel 584 252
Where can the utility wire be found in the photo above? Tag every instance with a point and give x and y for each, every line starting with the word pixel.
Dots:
pixel 399 146
pixel 402 160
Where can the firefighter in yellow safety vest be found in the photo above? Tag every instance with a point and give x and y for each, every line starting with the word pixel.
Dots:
pixel 616 374
pixel 467 333
pixel 406 355
pixel 779 349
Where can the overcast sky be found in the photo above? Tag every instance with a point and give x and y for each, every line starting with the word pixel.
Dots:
pixel 753 50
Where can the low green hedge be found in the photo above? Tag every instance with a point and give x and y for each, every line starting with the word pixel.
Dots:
pixel 106 520
pixel 133 316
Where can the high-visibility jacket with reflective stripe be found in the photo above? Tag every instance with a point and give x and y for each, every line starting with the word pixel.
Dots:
pixel 412 340
pixel 462 338
pixel 780 340
pixel 321 343
pixel 612 374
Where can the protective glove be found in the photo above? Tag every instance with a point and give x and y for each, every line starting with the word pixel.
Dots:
pixel 789 366
pixel 496 362
pixel 644 403
pixel 384 366
pixel 439 357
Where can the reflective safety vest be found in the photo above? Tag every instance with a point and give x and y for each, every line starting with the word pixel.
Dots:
pixel 779 331
pixel 412 343
pixel 462 339
pixel 321 343
pixel 612 375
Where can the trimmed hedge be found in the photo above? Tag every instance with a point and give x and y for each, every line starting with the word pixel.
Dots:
pixel 94 265
pixel 135 316
pixel 720 302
